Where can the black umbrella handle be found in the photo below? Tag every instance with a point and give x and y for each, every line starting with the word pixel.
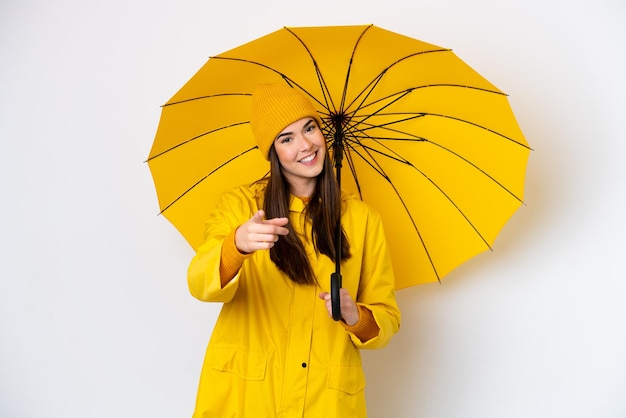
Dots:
pixel 335 300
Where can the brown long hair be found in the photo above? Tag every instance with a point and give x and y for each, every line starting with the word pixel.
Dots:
pixel 324 211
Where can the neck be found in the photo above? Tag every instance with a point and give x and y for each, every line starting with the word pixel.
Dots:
pixel 303 190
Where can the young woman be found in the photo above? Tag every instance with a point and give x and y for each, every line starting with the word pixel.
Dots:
pixel 268 257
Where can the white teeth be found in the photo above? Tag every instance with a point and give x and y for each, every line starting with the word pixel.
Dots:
pixel 307 159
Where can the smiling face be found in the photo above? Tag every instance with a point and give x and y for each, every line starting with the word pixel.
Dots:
pixel 301 150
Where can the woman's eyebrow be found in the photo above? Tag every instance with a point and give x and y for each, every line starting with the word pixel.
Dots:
pixel 310 121
pixel 283 134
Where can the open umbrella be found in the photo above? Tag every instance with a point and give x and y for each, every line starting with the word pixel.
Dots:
pixel 427 141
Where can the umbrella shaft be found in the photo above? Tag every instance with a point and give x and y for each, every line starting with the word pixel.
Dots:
pixel 338 157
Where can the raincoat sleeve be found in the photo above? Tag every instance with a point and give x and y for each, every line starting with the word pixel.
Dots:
pixel 377 285
pixel 203 274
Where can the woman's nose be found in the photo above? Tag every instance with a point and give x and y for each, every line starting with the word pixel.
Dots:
pixel 305 144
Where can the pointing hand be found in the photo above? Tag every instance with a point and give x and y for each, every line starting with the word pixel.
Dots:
pixel 260 234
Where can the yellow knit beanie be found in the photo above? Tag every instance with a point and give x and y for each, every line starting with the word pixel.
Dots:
pixel 275 107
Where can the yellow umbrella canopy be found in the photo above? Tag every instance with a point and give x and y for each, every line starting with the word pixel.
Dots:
pixel 427 141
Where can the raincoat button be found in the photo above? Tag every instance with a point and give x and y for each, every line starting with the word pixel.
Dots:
pixel 303 365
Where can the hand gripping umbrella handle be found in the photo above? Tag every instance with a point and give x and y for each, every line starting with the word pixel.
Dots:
pixel 335 285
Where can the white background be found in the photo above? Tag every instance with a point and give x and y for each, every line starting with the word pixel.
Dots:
pixel 95 316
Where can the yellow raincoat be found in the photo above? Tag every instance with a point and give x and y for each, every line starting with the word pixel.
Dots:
pixel 274 351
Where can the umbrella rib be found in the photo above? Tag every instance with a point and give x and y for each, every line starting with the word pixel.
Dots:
pixel 291 82
pixel 403 93
pixel 225 163
pixel 424 114
pixel 416 138
pixel 348 72
pixel 369 88
pixel 400 159
pixel 191 99
pixel 328 100
pixel 348 157
pixel 187 141
pixel 383 174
